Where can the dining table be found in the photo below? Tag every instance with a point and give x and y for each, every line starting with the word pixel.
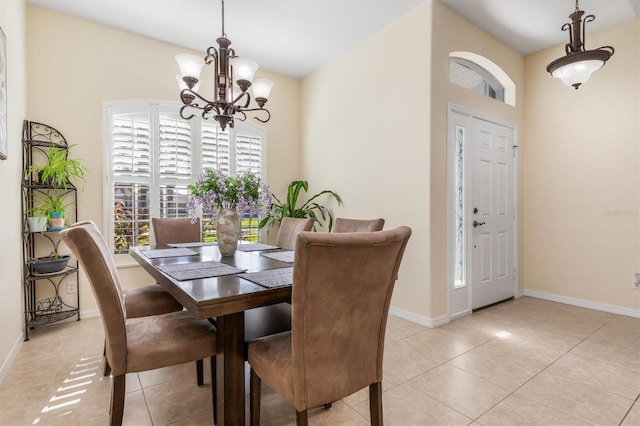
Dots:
pixel 225 298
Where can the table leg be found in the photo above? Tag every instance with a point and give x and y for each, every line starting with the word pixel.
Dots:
pixel 230 369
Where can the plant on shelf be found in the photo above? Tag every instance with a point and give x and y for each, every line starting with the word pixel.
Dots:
pixel 59 169
pixel 54 262
pixel 310 208
pixel 54 208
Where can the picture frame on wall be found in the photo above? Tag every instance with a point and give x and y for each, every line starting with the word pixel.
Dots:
pixel 3 96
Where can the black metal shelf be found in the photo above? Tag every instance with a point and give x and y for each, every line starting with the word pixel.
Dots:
pixel 43 303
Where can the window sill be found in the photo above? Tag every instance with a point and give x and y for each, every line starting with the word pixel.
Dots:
pixel 124 261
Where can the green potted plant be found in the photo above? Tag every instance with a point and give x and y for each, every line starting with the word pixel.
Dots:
pixel 54 262
pixel 37 218
pixel 59 169
pixel 310 208
pixel 55 209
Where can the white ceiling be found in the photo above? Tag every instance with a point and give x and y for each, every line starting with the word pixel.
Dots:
pixel 294 37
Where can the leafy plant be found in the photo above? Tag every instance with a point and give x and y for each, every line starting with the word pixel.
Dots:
pixel 311 208
pixel 59 170
pixel 52 202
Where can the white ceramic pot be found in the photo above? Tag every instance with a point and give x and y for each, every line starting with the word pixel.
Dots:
pixel 37 224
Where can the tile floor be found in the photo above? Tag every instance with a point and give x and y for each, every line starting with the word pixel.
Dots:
pixel 524 362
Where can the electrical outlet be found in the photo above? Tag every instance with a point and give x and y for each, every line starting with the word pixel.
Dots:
pixel 636 281
pixel 72 287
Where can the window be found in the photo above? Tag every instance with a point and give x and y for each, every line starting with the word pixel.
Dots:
pixel 152 155
pixel 459 246
pixel 468 74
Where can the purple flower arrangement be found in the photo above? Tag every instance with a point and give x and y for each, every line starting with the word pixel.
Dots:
pixel 214 190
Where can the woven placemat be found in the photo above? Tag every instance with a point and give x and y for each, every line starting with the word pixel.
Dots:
pixel 170 252
pixel 194 271
pixel 272 278
pixel 255 247
pixel 282 256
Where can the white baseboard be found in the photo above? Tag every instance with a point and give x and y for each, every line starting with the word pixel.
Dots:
pixel 584 303
pixel 11 357
pixel 94 313
pixel 419 319
pixel 520 293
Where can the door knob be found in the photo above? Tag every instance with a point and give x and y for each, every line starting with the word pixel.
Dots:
pixel 476 223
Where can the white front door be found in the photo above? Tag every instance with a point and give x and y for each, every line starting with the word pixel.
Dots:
pixel 482 224
pixel 492 215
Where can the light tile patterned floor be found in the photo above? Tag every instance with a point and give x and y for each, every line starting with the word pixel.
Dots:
pixel 524 362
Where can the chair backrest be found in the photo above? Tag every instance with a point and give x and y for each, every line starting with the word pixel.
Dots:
pixel 87 245
pixel 289 229
pixel 173 230
pixel 358 225
pixel 342 286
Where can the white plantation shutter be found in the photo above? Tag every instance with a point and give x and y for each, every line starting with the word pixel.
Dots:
pixel 215 148
pixel 175 148
pixel 174 165
pixel 132 178
pixel 152 157
pixel 248 154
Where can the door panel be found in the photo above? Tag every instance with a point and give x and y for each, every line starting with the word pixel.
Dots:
pixel 492 254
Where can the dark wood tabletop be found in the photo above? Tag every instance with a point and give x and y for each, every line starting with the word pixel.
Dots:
pixel 226 298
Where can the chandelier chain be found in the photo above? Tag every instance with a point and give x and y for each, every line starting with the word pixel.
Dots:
pixel 224 35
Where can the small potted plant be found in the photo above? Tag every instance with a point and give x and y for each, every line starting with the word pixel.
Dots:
pixel 37 219
pixel 54 262
pixel 55 209
pixel 58 171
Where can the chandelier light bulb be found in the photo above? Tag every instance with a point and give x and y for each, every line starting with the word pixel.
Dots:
pixel 261 89
pixel 190 68
pixel 244 69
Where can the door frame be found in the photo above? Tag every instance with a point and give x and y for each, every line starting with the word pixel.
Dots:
pixel 459 299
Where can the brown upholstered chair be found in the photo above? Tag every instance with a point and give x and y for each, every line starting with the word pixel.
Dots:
pixel 139 344
pixel 289 229
pixel 327 357
pixel 145 301
pixel 171 231
pixel 358 225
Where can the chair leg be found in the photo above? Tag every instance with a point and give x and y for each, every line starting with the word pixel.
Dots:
pixel 200 372
pixel 254 399
pixel 107 367
pixel 301 418
pixel 375 403
pixel 214 390
pixel 117 400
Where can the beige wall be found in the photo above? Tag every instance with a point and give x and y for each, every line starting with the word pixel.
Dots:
pixel 374 130
pixel 12 22
pixel 366 136
pixel 453 33
pixel 75 65
pixel 582 175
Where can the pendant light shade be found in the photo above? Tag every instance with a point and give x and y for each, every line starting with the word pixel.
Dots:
pixel 577 66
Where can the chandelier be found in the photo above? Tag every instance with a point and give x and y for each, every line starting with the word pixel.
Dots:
pixel 233 76
pixel 576 67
